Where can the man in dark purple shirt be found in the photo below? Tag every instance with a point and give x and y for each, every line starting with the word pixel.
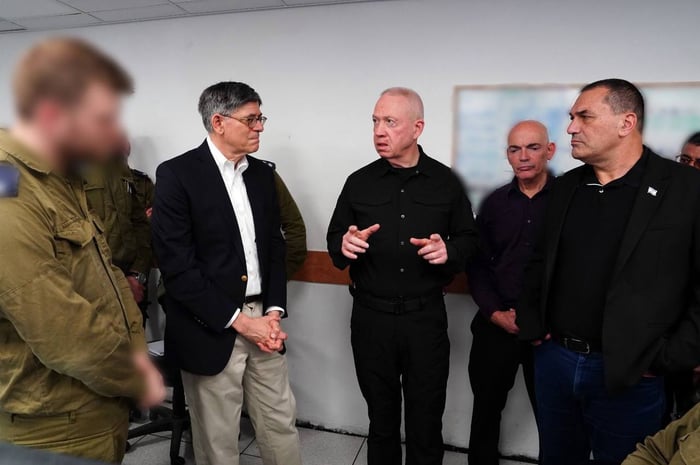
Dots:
pixel 508 223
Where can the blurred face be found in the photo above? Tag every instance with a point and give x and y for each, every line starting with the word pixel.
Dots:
pixel 234 130
pixel 595 129
pixel 529 150
pixel 87 130
pixel 690 155
pixel 396 127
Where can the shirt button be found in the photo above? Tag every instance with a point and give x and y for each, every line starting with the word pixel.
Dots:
pixel 401 270
pixel 401 243
pixel 529 221
pixel 403 216
pixel 601 191
pixel 402 191
pixel 244 278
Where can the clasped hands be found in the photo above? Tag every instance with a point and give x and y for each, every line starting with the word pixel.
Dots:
pixel 355 241
pixel 265 331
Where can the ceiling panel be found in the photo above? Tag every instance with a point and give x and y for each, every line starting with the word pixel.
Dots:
pixel 211 6
pixel 32 8
pixel 316 2
pixel 37 15
pixel 8 26
pixel 57 22
pixel 147 12
pixel 104 5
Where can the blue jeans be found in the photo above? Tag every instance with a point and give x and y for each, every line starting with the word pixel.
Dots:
pixel 577 416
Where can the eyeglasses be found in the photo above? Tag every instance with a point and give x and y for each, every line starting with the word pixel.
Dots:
pixel 688 160
pixel 250 121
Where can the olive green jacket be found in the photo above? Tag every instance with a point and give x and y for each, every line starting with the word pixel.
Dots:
pixel 144 188
pixel 678 444
pixel 293 228
pixel 112 194
pixel 68 323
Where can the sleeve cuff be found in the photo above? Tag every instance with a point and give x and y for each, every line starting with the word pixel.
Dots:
pixel 274 308
pixel 233 318
pixel 451 252
pixel 487 312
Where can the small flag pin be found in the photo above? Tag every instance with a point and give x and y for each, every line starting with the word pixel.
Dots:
pixel 652 191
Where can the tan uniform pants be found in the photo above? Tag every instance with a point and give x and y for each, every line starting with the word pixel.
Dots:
pixel 97 431
pixel 215 404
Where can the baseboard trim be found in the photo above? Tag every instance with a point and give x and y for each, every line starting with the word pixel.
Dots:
pixel 448 447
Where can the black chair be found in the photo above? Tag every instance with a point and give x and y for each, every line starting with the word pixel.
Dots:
pixel 175 419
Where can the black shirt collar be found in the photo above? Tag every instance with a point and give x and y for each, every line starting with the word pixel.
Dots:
pixel 515 187
pixel 632 178
pixel 423 166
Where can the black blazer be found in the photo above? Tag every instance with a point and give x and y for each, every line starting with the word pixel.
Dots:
pixel 652 311
pixel 200 254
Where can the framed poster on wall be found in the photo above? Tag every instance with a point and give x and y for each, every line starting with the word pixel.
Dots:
pixel 484 114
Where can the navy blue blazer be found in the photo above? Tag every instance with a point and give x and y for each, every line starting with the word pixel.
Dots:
pixel 200 255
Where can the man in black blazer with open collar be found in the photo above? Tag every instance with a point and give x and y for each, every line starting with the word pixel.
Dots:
pixel 612 299
pixel 217 237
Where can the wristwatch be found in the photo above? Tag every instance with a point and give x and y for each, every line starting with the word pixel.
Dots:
pixel 141 278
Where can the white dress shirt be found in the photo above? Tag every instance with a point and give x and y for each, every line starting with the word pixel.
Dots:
pixel 232 175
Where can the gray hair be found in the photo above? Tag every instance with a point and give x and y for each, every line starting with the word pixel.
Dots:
pixel 225 98
pixel 409 94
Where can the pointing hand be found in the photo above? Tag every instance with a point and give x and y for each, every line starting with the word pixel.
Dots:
pixel 432 249
pixel 355 240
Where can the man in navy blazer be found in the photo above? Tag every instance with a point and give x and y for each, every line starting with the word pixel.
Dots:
pixel 217 237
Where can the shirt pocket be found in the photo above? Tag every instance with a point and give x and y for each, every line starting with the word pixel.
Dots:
pixel 371 210
pixel 72 236
pixel 434 214
pixel 83 251
pixel 689 448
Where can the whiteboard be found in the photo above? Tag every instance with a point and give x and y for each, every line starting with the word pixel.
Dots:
pixel 485 114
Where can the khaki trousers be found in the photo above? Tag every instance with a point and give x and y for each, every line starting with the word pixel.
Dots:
pixel 215 404
pixel 96 431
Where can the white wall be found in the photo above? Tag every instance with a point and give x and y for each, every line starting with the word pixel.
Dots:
pixel 319 71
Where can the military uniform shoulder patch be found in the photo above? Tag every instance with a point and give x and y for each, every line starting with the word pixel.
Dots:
pixel 9 180
pixel 269 163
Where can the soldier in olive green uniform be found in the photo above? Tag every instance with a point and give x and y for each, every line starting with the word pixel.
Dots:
pixel 72 350
pixel 145 190
pixel 113 195
pixel 293 226
pixel 67 320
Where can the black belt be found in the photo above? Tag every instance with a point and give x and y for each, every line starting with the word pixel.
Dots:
pixel 249 299
pixel 397 305
pixel 578 345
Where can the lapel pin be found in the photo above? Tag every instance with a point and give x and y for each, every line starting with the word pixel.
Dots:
pixel 652 191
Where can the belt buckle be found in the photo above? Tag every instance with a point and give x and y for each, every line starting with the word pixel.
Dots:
pixel 582 347
pixel 399 306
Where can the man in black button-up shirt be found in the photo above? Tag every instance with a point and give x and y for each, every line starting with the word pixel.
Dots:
pixel 405 226
pixel 509 221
